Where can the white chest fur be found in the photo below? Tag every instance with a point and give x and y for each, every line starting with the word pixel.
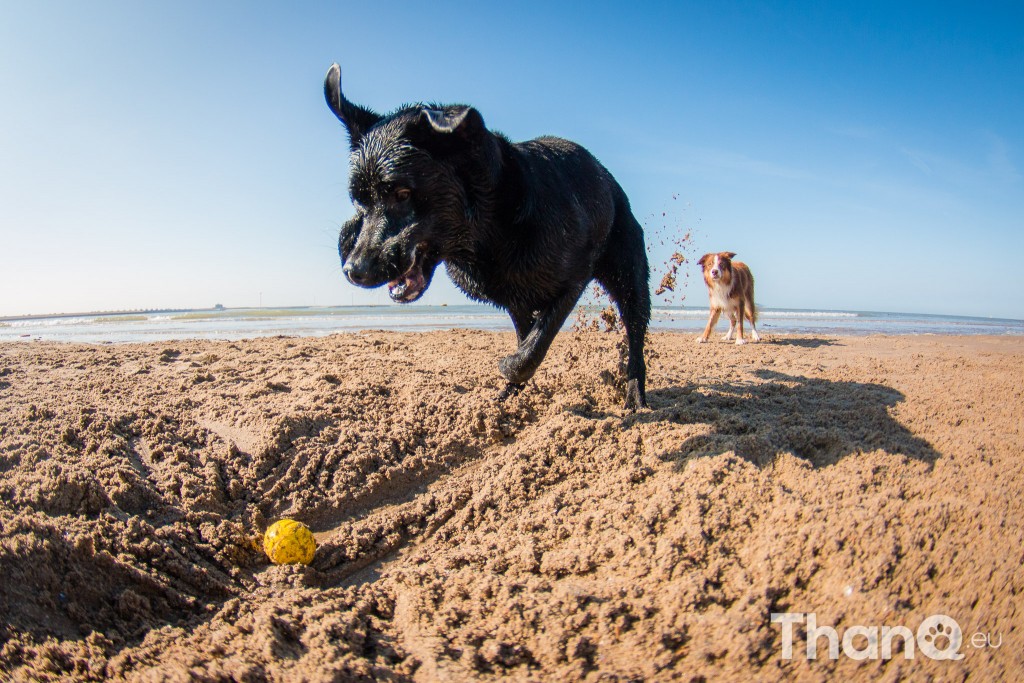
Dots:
pixel 720 296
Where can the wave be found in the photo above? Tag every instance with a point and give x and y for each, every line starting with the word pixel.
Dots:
pixel 761 313
pixel 51 322
pixel 121 319
pixel 260 313
pixel 342 318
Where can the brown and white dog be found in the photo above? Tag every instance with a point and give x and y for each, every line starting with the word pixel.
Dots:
pixel 730 289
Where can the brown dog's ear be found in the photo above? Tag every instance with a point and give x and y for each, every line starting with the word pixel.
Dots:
pixel 703 261
pixel 444 129
pixel 728 254
pixel 358 120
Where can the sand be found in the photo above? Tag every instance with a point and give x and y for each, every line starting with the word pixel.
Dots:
pixel 873 481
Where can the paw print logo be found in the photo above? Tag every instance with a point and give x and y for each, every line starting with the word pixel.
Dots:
pixel 939 637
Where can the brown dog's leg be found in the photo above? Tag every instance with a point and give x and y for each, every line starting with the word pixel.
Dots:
pixel 739 323
pixel 712 321
pixel 751 316
pixel 753 330
pixel 728 336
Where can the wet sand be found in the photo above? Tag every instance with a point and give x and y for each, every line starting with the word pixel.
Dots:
pixel 872 481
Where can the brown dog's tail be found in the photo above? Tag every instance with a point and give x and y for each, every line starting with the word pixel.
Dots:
pixel 753 306
pixel 748 288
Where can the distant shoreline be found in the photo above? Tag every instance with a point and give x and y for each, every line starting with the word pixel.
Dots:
pixel 165 311
pixel 102 327
pixel 99 314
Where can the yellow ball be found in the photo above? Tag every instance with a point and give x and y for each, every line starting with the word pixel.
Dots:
pixel 289 542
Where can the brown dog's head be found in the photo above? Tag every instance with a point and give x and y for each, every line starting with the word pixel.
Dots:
pixel 717 267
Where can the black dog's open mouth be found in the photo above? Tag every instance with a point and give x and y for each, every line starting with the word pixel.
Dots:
pixel 410 285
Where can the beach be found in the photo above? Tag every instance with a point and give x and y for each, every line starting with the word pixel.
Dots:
pixel 862 482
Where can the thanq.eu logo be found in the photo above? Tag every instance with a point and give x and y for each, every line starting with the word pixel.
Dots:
pixel 937 637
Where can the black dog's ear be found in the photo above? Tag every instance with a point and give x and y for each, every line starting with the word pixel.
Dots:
pixel 357 119
pixel 464 121
pixel 444 130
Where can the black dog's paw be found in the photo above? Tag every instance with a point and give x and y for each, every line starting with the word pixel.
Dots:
pixel 511 389
pixel 511 368
pixel 635 398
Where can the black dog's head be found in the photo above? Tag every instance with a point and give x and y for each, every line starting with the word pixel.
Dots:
pixel 406 186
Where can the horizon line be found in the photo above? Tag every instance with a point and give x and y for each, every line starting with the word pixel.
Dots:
pixel 218 308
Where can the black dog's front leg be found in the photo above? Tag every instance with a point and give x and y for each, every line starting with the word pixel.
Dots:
pixel 523 321
pixel 519 367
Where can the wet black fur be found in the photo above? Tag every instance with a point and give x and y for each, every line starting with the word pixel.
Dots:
pixel 524 226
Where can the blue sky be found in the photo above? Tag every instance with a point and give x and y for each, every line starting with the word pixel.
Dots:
pixel 863 155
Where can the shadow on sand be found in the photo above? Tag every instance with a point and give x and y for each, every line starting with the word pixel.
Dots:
pixel 801 343
pixel 819 420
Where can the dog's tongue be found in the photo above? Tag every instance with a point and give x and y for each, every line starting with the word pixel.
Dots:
pixel 408 287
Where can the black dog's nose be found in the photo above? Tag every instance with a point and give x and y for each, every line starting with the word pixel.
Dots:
pixel 357 273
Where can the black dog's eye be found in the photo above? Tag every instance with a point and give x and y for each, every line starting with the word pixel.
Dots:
pixel 403 194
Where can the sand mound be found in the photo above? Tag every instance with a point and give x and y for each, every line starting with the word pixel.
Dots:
pixel 871 481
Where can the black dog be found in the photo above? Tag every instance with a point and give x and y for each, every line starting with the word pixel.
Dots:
pixel 524 226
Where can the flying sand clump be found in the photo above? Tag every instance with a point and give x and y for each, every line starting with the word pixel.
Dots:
pixel 670 233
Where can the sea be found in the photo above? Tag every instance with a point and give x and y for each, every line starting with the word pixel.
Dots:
pixel 312 321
